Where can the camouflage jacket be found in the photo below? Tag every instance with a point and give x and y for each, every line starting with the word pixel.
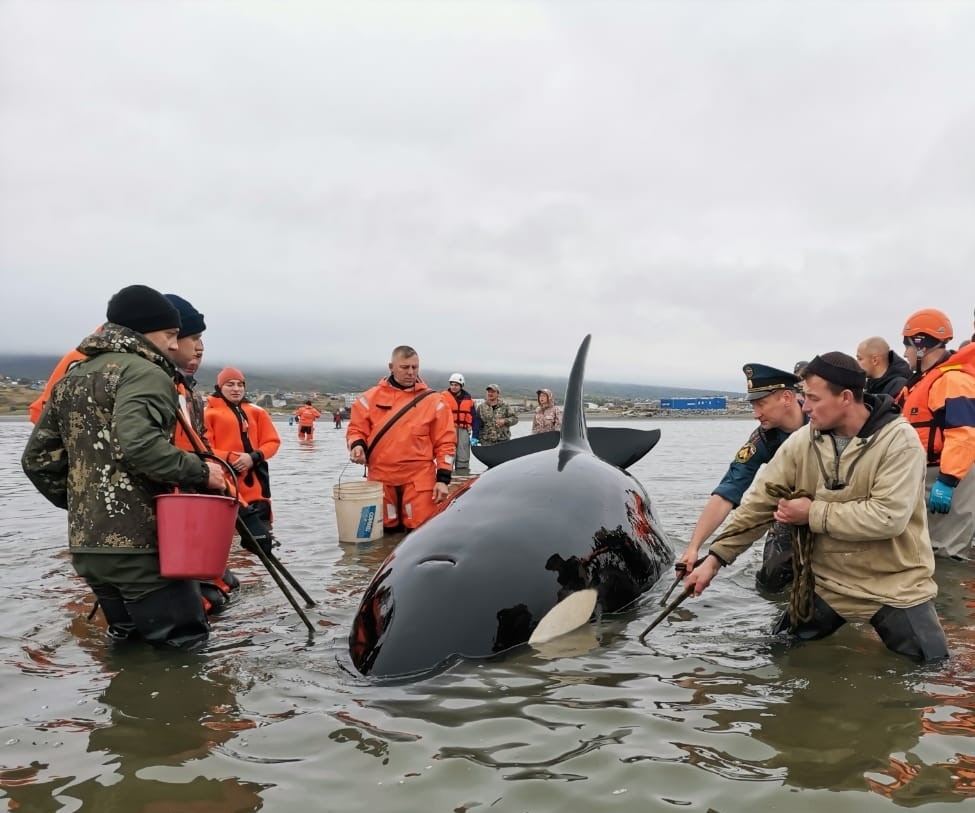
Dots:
pixel 103 448
pixel 488 415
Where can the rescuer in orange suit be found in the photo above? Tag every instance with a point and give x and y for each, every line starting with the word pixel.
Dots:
pixel 37 405
pixel 939 402
pixel 413 459
pixel 242 434
pixel 307 415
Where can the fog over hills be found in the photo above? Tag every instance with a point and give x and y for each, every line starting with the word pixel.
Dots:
pixel 260 378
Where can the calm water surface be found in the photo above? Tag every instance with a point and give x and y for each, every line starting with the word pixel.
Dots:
pixel 711 714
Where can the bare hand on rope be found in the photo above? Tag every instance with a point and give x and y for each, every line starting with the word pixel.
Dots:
pixel 793 511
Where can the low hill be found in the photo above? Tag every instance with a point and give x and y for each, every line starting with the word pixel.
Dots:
pixel 37 368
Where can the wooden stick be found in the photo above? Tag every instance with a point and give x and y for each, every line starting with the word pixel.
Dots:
pixel 667 611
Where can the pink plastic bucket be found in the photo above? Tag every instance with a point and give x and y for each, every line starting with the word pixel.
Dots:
pixel 194 533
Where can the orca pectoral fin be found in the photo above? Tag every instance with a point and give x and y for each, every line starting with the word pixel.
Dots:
pixel 619 445
pixel 569 614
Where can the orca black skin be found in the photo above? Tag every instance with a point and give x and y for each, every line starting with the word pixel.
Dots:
pixel 619 445
pixel 476 579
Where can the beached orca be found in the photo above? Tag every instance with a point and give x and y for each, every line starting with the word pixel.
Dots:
pixel 528 550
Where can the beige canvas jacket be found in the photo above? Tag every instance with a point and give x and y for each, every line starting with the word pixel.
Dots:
pixel 871 544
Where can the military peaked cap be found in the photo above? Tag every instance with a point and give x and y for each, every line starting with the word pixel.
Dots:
pixel 764 380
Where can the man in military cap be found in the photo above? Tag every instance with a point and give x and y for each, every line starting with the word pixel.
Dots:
pixel 854 479
pixel 778 410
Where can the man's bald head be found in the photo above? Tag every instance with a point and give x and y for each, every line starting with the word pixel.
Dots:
pixel 872 355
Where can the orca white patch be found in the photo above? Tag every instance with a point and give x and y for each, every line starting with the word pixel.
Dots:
pixel 569 614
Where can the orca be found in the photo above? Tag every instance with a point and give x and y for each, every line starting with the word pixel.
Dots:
pixel 532 548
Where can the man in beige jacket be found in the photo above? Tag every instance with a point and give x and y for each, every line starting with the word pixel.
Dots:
pixel 871 553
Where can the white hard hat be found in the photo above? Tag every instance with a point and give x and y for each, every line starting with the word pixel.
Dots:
pixel 456 377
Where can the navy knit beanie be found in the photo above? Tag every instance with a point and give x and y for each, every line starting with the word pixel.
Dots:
pixel 142 309
pixel 190 318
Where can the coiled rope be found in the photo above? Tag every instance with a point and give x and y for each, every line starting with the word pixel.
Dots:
pixel 803 589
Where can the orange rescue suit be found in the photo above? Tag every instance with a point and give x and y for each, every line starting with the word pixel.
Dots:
pixel 223 433
pixel 416 451
pixel 307 415
pixel 941 407
pixel 69 358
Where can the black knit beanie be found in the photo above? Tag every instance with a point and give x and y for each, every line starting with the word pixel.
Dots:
pixel 142 309
pixel 191 320
pixel 839 369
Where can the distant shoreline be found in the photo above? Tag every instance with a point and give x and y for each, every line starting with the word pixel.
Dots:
pixel 598 416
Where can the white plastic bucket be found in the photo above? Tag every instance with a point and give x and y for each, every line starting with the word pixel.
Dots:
pixel 359 510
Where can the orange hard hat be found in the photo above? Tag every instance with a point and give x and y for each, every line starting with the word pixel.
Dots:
pixel 931 322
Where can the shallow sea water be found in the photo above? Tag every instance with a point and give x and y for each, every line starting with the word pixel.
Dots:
pixel 711 714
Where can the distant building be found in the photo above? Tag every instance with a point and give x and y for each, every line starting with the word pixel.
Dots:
pixel 713 403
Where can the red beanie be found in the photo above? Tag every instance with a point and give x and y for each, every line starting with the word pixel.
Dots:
pixel 229 374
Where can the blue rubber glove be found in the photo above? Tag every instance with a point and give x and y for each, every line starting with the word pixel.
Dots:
pixel 475 442
pixel 939 500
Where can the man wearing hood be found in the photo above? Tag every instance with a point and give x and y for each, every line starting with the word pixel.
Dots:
pixel 548 417
pixel 852 480
pixel 887 373
pixel 102 449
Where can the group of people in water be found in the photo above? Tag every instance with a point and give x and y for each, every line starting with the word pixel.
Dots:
pixel 858 480
pixel 868 477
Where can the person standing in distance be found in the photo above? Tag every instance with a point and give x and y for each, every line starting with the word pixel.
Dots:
pixel 461 405
pixel 495 417
pixel 548 417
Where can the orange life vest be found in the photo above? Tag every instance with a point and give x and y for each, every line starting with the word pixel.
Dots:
pixel 925 411
pixel 462 410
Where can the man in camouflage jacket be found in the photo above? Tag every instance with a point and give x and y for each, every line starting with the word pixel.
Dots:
pixel 102 449
pixel 495 416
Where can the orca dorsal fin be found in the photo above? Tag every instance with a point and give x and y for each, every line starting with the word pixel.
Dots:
pixel 574 436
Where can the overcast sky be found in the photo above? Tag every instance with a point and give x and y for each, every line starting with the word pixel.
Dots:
pixel 697 184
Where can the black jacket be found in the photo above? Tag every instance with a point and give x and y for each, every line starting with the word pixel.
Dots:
pixel 893 380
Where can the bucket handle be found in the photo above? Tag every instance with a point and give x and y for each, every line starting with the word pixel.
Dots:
pixel 347 464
